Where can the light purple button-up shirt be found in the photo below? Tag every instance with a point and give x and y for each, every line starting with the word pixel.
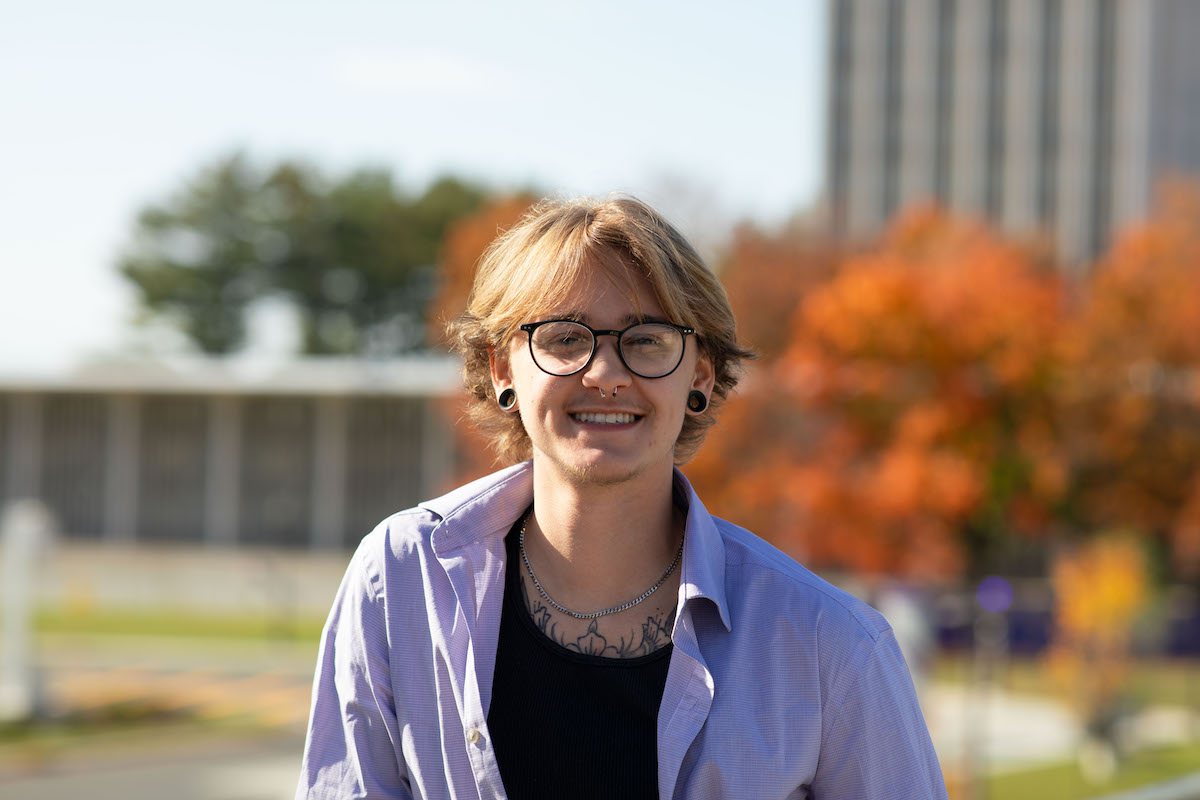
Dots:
pixel 780 685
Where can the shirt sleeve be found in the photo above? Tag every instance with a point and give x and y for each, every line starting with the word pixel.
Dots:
pixel 875 742
pixel 352 746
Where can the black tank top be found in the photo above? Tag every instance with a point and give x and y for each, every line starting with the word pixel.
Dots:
pixel 565 724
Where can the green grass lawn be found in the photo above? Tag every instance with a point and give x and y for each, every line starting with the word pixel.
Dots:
pixel 50 746
pixel 1063 782
pixel 1152 681
pixel 101 622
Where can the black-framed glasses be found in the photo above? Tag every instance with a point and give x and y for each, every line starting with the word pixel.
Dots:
pixel 563 347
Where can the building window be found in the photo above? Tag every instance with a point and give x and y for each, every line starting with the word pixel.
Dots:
pixel 894 66
pixel 839 113
pixel 172 469
pixel 943 99
pixel 1048 100
pixel 996 90
pixel 277 468
pixel 6 449
pixel 383 472
pixel 74 440
pixel 1102 153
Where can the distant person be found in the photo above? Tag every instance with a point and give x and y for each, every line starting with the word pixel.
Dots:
pixel 905 612
pixel 577 625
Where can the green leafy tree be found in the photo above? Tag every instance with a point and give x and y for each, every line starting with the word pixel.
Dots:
pixel 355 256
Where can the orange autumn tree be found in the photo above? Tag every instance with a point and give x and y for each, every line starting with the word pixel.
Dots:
pixel 908 426
pixel 1130 402
pixel 462 248
pixel 464 244
pixel 765 274
pixel 1133 393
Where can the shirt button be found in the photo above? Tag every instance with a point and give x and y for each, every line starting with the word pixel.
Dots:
pixel 473 736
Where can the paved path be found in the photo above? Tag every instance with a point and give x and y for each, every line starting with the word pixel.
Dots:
pixel 206 767
pixel 1011 731
pixel 256 694
pixel 270 698
pixel 264 684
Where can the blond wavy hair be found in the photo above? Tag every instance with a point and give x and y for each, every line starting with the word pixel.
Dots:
pixel 532 267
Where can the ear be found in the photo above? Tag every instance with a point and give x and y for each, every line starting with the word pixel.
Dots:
pixel 500 369
pixel 704 377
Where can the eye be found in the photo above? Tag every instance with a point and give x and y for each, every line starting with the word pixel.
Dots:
pixel 642 339
pixel 649 337
pixel 562 339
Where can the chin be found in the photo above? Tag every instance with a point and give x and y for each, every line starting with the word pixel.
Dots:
pixel 604 470
pixel 599 476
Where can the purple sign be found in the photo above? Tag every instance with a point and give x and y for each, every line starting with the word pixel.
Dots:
pixel 995 594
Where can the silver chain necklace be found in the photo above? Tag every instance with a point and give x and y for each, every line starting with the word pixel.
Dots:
pixel 594 614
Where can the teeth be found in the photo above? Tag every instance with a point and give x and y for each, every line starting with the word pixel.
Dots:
pixel 605 419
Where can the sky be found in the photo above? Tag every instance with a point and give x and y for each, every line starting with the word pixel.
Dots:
pixel 712 111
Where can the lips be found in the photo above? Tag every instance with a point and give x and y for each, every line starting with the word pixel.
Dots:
pixel 605 418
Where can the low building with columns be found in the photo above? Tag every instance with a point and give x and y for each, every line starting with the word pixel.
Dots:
pixel 310 454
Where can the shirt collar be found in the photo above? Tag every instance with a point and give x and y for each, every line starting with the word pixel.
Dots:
pixel 703 568
pixel 481 508
pixel 490 505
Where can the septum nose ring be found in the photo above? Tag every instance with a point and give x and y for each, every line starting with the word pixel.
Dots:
pixel 602 394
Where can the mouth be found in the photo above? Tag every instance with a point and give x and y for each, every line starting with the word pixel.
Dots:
pixel 603 418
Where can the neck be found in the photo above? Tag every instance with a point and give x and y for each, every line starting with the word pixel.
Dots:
pixel 594 546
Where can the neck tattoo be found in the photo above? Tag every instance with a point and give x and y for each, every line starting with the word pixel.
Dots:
pixel 594 614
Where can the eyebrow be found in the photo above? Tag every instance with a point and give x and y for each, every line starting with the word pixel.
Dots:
pixel 628 319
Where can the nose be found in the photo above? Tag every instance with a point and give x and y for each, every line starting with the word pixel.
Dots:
pixel 607 370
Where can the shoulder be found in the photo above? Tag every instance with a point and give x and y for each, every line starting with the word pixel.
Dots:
pixel 391 543
pixel 402 533
pixel 468 502
pixel 818 634
pixel 762 579
pixel 759 588
pixel 452 523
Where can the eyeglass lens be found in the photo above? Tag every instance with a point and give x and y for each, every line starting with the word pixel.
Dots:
pixel 650 350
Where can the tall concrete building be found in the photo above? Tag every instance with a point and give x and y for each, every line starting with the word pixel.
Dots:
pixel 1051 117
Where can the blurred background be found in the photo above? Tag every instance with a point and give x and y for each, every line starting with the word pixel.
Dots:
pixel 963 235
